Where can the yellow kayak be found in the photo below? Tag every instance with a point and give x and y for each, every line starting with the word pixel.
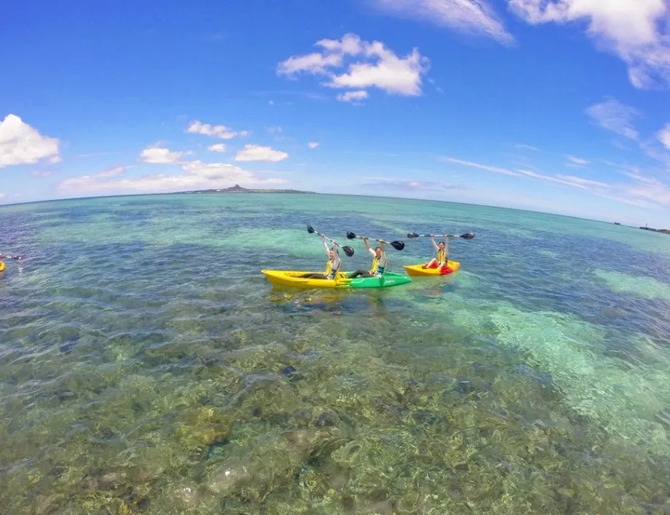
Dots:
pixel 418 270
pixel 2 266
pixel 295 279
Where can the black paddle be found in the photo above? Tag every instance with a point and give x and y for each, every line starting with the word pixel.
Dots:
pixel 349 251
pixel 465 236
pixel 398 245
pixel 17 258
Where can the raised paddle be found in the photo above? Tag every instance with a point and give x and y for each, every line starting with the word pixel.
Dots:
pixel 349 251
pixel 465 236
pixel 398 245
pixel 17 258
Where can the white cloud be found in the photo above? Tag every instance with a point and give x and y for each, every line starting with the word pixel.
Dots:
pixel 635 30
pixel 218 147
pixel 216 131
pixel 311 63
pixel 664 136
pixel 160 155
pixel 353 96
pixel 21 144
pixel 373 65
pixel 312 144
pixel 197 176
pixel 468 16
pixel 260 153
pixel 614 116
pixel 578 161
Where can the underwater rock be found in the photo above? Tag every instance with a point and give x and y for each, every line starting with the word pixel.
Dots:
pixel 66 347
pixel 424 416
pixel 217 449
pixel 464 386
pixel 269 465
pixel 327 419
pixel 202 427
pixel 545 379
pixel 289 371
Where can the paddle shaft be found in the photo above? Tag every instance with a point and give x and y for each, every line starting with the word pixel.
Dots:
pixel 398 245
pixel 465 236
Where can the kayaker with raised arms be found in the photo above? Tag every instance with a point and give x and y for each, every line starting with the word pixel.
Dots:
pixel 378 261
pixel 441 261
pixel 332 265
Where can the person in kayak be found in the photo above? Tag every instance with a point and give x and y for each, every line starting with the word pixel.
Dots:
pixel 441 260
pixel 332 265
pixel 378 261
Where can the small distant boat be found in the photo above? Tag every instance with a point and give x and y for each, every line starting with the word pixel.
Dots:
pixel 617 223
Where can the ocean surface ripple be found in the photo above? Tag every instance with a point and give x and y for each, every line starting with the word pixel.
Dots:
pixel 146 366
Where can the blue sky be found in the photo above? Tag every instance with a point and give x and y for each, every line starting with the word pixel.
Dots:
pixel 560 106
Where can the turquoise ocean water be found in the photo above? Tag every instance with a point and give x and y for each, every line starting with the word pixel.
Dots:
pixel 147 366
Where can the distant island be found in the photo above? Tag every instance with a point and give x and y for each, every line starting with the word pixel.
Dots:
pixel 664 231
pixel 239 189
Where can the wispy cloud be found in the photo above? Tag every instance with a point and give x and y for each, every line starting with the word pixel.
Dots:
pixel 260 153
pixel 409 186
pixel 312 144
pixel 373 66
pixel 634 30
pixel 22 144
pixel 640 191
pixel 664 136
pixel 614 116
pixel 522 146
pixel 488 168
pixel 576 161
pixel 466 16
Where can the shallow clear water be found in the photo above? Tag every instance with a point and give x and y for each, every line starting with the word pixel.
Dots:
pixel 147 366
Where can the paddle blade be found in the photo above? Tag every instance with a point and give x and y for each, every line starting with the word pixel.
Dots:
pixel 398 245
pixel 310 229
pixel 468 235
pixel 351 235
pixel 412 235
pixel 348 251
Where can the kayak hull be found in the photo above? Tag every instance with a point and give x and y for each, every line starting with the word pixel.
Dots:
pixel 295 279
pixel 419 271
pixel 2 266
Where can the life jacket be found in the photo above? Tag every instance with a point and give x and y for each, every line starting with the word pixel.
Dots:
pixel 329 269
pixel 377 268
pixel 441 256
